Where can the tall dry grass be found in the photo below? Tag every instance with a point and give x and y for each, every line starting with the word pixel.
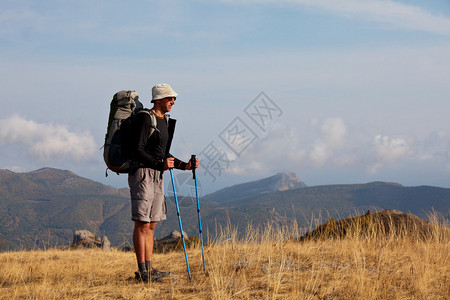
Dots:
pixel 266 264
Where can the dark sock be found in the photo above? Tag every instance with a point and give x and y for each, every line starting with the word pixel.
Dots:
pixel 141 267
pixel 148 265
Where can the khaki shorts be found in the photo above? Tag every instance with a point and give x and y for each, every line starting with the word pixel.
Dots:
pixel 148 203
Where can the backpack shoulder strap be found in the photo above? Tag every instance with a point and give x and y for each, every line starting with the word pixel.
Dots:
pixel 153 127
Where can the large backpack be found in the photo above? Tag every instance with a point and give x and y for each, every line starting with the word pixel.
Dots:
pixel 124 106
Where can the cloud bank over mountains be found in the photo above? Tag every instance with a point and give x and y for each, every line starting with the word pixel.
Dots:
pixel 338 146
pixel 281 148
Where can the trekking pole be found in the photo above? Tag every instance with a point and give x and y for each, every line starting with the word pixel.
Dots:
pixel 193 162
pixel 179 221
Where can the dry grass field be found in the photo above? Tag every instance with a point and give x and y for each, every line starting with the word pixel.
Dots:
pixel 267 265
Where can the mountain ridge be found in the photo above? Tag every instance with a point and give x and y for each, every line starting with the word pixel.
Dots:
pixel 43 208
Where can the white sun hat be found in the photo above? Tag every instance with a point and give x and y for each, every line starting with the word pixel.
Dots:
pixel 161 91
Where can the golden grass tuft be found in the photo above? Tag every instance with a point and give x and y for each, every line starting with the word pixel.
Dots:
pixel 266 264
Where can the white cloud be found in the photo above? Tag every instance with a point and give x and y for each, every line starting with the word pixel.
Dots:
pixel 333 132
pixel 47 141
pixel 389 150
pixel 320 153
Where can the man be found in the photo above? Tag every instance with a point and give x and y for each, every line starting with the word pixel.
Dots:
pixel 151 157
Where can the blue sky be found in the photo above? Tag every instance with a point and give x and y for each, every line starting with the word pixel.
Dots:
pixel 359 89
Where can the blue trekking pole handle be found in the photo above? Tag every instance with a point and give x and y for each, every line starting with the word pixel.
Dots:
pixel 193 162
pixel 179 222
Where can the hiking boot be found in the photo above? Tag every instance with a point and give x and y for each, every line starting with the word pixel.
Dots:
pixel 143 277
pixel 158 273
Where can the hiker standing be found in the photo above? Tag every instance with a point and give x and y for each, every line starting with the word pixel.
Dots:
pixel 149 150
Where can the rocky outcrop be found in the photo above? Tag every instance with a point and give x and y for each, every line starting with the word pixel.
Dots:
pixel 171 242
pixel 286 181
pixel 174 242
pixel 86 239
pixel 174 235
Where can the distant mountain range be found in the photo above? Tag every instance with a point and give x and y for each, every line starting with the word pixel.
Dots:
pixel 43 208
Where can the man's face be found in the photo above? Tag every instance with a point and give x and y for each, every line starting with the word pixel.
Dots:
pixel 166 104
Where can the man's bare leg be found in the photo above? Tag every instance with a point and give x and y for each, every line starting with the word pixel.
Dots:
pixel 149 245
pixel 140 233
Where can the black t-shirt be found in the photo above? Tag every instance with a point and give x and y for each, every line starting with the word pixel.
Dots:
pixel 157 143
pixel 149 152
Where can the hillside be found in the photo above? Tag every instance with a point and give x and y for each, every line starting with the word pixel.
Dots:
pixel 43 208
